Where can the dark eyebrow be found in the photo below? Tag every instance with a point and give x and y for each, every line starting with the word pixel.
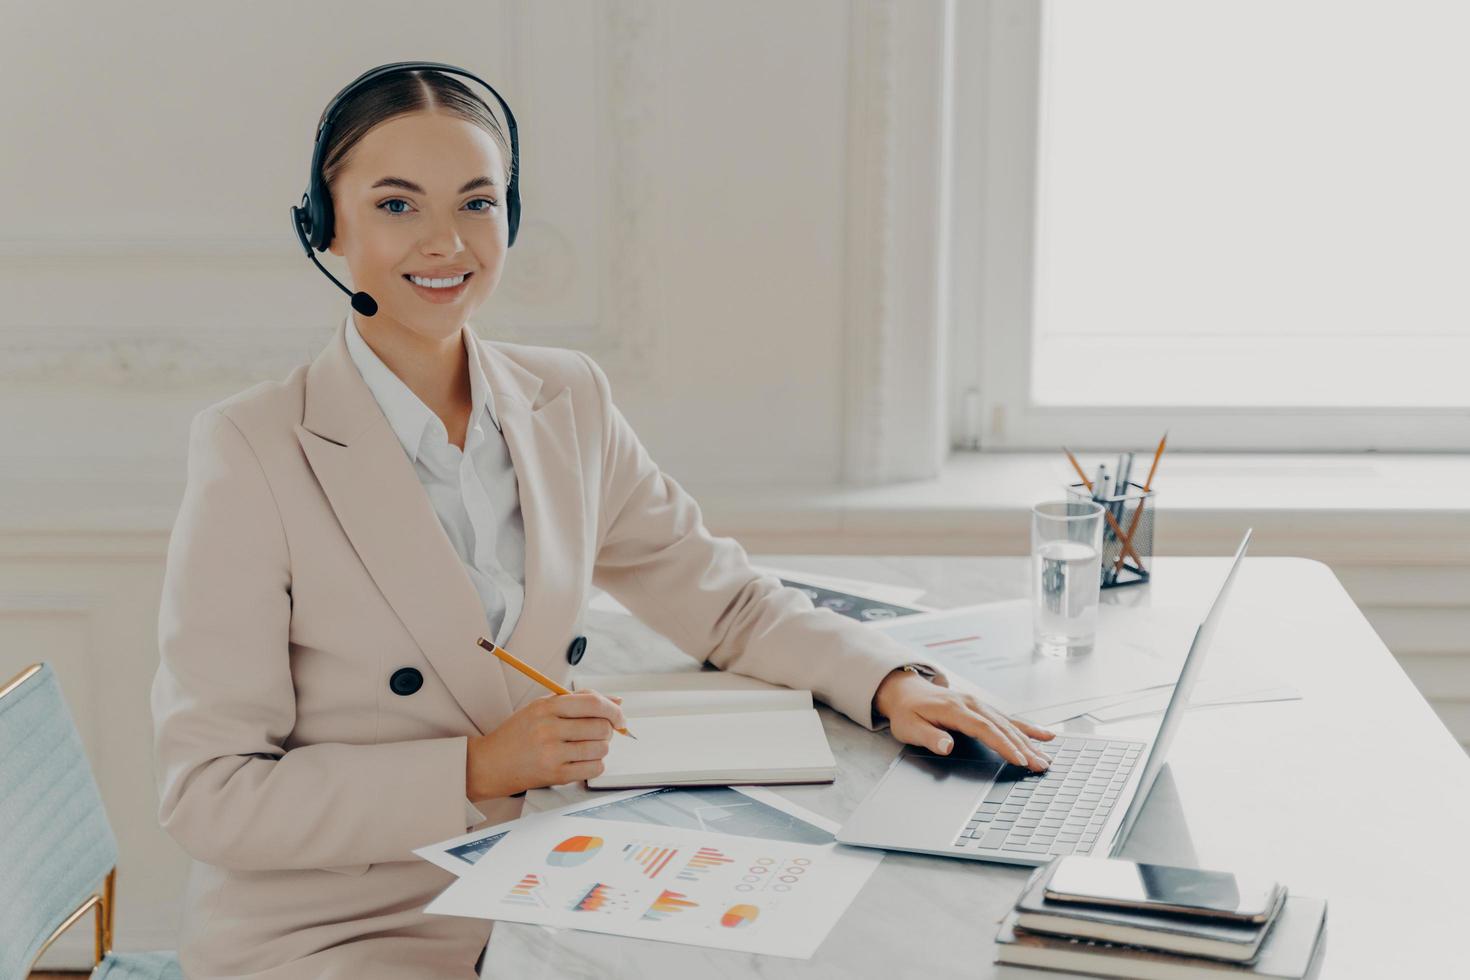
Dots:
pixel 409 185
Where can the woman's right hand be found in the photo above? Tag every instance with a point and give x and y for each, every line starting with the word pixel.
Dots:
pixel 559 738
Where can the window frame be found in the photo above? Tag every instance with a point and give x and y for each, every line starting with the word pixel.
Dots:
pixel 993 315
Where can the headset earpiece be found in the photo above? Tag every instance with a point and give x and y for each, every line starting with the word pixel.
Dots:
pixel 321 216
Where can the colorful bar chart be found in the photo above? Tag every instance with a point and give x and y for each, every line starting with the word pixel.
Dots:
pixel 526 892
pixel 602 897
pixel 667 903
pixel 653 858
pixel 704 860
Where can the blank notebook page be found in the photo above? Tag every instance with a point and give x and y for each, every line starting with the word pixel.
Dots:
pixel 728 746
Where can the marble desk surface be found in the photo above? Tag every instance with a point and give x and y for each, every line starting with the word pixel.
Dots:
pixel 1356 793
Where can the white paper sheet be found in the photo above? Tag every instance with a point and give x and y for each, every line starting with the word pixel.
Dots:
pixel 857 589
pixel 744 811
pixel 1205 693
pixel 672 884
pixel 1053 713
pixel 899 595
pixel 1228 685
pixel 990 644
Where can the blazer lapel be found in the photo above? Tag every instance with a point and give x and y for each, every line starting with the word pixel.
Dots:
pixel 542 440
pixel 376 494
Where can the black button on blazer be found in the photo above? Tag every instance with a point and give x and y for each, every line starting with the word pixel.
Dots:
pixel 405 681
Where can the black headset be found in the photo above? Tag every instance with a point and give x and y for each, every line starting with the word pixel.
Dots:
pixel 312 219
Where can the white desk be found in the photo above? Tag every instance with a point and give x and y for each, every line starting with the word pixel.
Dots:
pixel 1357 793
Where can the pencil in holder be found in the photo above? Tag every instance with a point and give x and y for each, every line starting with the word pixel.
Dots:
pixel 1133 510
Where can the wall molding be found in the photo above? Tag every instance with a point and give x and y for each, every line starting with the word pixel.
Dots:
pixel 632 324
pixel 870 216
pixel 167 358
pixel 897 258
pixel 171 351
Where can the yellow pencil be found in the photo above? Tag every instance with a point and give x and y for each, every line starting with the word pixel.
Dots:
pixel 534 674
pixel 1138 511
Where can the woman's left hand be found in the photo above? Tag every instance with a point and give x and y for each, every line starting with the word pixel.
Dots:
pixel 921 712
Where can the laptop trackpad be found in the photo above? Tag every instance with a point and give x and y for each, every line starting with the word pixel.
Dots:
pixel 925 799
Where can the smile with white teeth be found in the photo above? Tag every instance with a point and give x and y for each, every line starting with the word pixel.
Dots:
pixel 438 283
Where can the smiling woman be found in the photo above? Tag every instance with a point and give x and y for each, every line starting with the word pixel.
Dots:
pixel 321 706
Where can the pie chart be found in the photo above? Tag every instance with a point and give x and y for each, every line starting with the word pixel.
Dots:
pixel 739 915
pixel 573 851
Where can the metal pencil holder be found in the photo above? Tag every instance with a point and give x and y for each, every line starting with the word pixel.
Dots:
pixel 1134 511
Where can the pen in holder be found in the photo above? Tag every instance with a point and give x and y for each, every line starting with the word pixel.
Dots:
pixel 1133 510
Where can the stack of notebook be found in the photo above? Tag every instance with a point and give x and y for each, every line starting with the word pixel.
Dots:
pixel 1114 942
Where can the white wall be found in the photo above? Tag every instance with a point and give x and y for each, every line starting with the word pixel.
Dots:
pixel 686 185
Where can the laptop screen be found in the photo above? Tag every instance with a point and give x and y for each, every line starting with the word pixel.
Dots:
pixel 1179 701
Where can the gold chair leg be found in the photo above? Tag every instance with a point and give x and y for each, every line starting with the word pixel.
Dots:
pixel 103 943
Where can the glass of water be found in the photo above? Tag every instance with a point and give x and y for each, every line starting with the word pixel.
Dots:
pixel 1066 540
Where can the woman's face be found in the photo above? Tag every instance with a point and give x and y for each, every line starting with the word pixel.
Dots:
pixel 449 221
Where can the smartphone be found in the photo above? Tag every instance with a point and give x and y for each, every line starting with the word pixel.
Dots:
pixel 1161 888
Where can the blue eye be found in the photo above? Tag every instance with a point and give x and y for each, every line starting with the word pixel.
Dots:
pixel 398 200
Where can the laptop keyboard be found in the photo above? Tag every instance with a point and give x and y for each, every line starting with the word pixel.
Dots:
pixel 1059 811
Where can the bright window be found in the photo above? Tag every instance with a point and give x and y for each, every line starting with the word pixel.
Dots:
pixel 1253 204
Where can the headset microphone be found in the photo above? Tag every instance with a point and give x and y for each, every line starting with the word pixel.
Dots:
pixel 361 302
pixel 313 218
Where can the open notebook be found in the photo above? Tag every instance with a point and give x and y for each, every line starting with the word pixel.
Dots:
pixel 711 728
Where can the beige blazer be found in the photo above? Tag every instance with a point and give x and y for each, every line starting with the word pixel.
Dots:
pixel 306 567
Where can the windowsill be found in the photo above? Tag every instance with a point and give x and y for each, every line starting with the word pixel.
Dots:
pixel 975 481
pixel 1354 506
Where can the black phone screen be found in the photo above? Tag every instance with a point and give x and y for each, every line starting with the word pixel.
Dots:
pixel 1133 883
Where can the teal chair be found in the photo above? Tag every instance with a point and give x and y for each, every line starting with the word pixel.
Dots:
pixel 58 856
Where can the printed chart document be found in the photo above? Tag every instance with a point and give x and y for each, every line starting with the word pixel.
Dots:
pixel 615 866
pixel 866 602
pixel 745 811
pixel 719 729
pixel 857 599
pixel 990 644
pixel 904 594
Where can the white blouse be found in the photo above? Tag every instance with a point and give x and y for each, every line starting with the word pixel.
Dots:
pixel 473 491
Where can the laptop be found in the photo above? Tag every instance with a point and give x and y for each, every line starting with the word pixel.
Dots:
pixel 974 804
